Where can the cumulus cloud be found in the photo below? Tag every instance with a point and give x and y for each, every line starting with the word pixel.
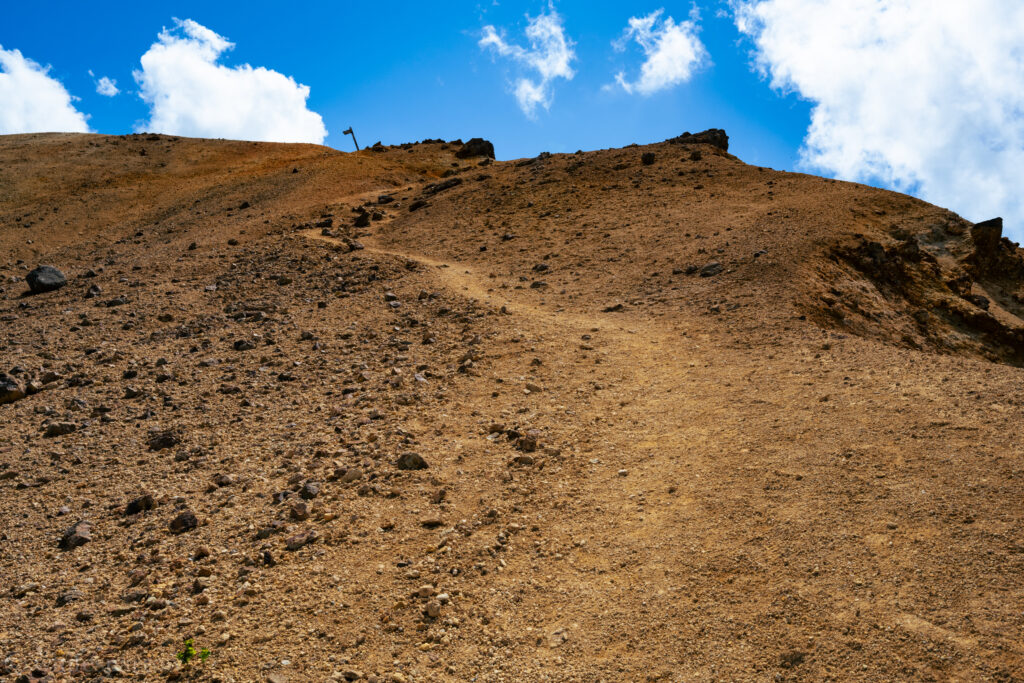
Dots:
pixel 550 54
pixel 106 86
pixel 672 51
pixel 923 97
pixel 190 93
pixel 32 101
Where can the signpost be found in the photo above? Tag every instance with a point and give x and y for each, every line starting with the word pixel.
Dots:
pixel 348 131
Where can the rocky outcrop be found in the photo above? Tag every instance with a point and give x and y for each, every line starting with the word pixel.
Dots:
pixel 476 147
pixel 950 287
pixel 715 137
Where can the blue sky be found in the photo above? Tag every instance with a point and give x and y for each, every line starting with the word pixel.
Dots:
pixel 896 93
pixel 403 71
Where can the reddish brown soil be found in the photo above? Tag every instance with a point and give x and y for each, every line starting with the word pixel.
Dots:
pixel 805 466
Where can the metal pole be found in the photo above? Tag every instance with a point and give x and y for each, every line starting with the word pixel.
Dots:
pixel 349 132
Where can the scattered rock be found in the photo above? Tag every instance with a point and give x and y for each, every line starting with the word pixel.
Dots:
pixel 301 539
pixel 792 659
pixel 299 510
pixel 310 490
pixel 45 279
pixel 68 597
pixel 710 269
pixel 59 429
pixel 159 440
pixel 76 535
pixel 140 504
pixel 222 480
pixel 350 475
pixel 411 461
pixel 434 188
pixel 185 521
pixel 10 389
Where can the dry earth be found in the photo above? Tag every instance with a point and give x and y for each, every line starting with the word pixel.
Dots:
pixel 683 419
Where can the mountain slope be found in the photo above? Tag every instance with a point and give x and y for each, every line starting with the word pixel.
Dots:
pixel 683 418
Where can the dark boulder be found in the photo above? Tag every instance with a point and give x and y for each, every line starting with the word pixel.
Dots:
pixel 476 147
pixel 45 279
pixel 712 136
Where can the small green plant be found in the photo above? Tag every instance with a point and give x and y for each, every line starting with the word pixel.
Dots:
pixel 189 652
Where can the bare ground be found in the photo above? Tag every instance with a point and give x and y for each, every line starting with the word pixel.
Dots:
pixel 780 471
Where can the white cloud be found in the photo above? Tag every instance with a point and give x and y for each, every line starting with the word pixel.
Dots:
pixel 924 97
pixel 672 51
pixel 32 101
pixel 189 93
pixel 550 54
pixel 106 87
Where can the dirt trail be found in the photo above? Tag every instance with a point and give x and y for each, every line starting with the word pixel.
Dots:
pixel 704 466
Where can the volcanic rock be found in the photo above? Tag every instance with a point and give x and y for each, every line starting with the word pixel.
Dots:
pixel 45 279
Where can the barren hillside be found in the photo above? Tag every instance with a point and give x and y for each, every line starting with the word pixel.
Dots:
pixel 411 414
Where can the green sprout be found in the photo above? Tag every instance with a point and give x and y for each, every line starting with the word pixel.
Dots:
pixel 189 652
